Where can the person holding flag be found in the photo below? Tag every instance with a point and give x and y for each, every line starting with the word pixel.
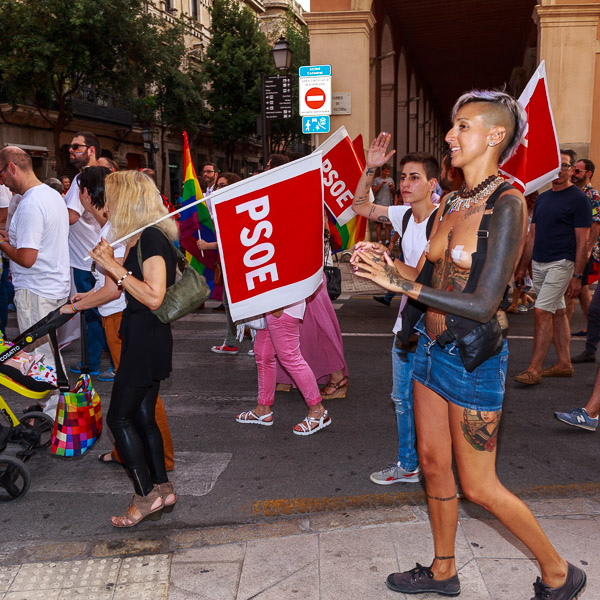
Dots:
pixel 461 356
pixel 195 224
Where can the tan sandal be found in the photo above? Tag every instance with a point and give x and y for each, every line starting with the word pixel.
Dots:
pixel 166 490
pixel 140 509
pixel 340 389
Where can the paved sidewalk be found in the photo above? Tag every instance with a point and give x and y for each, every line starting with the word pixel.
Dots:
pixel 332 556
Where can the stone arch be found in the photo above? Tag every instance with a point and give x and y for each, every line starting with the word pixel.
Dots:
pixel 402 107
pixel 412 107
pixel 387 82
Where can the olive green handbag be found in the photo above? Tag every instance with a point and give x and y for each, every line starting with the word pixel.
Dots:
pixel 188 292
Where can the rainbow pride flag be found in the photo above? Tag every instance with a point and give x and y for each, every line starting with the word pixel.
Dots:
pixel 197 219
pixel 345 236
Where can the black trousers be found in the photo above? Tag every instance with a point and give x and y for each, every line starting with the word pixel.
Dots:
pixel 137 436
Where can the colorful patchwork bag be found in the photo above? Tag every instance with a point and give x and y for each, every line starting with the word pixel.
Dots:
pixel 78 421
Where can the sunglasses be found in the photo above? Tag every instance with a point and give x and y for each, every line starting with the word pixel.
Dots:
pixel 578 171
pixel 77 146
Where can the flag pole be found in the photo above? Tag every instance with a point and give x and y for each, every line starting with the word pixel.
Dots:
pixel 172 214
pixel 200 239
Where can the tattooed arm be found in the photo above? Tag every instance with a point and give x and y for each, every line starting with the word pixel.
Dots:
pixel 378 251
pixel 506 232
pixel 376 157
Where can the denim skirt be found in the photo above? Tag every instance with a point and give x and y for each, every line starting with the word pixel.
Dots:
pixel 442 370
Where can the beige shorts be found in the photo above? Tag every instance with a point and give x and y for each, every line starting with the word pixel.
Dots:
pixel 551 281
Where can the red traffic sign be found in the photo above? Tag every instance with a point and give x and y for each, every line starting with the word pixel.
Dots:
pixel 315 98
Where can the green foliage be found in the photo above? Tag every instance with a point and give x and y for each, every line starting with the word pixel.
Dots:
pixel 236 56
pixel 52 50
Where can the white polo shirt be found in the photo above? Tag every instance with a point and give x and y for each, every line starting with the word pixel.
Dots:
pixel 41 222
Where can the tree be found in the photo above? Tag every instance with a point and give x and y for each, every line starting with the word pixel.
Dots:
pixel 238 53
pixel 53 50
pixel 285 131
pixel 174 100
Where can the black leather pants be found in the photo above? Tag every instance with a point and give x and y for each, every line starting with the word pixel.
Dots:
pixel 137 436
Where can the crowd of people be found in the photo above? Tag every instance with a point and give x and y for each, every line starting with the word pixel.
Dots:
pixel 464 234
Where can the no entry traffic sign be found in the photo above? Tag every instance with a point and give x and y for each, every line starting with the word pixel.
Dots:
pixel 315 98
pixel 315 92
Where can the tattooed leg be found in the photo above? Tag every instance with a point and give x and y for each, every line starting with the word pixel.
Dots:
pixel 480 429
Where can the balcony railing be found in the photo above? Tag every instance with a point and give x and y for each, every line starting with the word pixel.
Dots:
pixel 102 106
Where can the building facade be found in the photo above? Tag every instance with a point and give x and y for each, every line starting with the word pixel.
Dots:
pixel 411 60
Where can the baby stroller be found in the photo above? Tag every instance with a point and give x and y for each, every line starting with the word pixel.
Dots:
pixel 34 430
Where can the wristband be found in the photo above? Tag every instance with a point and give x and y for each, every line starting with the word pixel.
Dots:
pixel 580 277
pixel 120 281
pixel 73 307
pixel 2 240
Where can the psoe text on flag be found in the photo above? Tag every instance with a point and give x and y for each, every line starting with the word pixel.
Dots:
pixel 270 233
pixel 342 169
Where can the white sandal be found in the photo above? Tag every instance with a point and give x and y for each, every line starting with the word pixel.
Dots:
pixel 251 418
pixel 307 424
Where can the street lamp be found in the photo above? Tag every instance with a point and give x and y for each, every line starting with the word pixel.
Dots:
pixel 149 146
pixel 282 57
pixel 282 54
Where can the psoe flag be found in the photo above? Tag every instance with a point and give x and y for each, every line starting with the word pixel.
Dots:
pixel 537 160
pixel 270 233
pixel 341 171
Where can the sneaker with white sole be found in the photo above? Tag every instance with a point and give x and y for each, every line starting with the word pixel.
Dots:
pixel 108 375
pixel 578 417
pixel 225 349
pixel 394 473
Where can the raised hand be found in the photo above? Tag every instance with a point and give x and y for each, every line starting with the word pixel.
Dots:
pixel 376 156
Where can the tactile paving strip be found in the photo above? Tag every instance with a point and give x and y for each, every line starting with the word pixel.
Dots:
pixel 132 578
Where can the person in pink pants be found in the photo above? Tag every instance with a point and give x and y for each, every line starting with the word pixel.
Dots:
pixel 281 340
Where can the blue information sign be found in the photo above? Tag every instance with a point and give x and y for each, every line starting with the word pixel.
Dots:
pixel 314 70
pixel 315 124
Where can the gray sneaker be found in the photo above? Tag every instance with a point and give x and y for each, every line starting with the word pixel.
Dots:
pixel 578 418
pixel 573 584
pixel 420 581
pixel 394 473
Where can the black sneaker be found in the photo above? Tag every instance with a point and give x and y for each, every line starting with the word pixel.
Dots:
pixel 574 583
pixel 584 357
pixel 420 581
pixel 382 299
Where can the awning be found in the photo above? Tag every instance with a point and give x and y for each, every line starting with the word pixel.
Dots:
pixel 32 150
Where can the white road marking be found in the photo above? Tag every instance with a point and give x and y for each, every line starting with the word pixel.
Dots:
pixel 195 474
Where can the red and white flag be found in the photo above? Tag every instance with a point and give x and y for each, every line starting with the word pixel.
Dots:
pixel 537 160
pixel 342 169
pixel 270 233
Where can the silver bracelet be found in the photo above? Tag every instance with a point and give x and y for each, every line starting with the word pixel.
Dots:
pixel 120 281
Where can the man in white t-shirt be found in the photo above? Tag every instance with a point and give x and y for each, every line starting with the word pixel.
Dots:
pixel 36 244
pixel 84 151
pixel 418 180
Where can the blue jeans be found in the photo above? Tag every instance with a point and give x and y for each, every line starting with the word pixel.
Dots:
pixel 402 395
pixel 84 282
